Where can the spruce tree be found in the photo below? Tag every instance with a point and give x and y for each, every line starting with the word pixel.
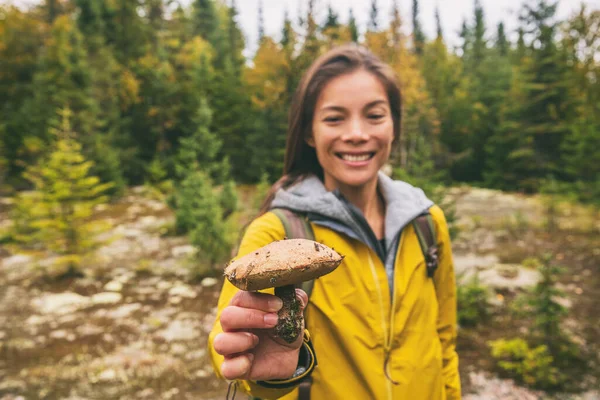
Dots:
pixel 501 41
pixel 373 25
pixel 261 23
pixel 418 35
pixel 438 24
pixel 353 27
pixel 65 195
pixel 205 20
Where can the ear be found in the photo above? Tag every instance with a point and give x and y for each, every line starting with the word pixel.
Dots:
pixel 310 141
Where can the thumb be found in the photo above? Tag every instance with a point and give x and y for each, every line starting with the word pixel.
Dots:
pixel 303 297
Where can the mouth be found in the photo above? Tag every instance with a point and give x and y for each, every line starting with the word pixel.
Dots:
pixel 355 157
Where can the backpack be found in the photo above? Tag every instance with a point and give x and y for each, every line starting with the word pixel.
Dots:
pixel 298 227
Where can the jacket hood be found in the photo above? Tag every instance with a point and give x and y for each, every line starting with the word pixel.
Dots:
pixel 403 202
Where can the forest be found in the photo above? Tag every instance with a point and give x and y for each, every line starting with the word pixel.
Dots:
pixel 137 138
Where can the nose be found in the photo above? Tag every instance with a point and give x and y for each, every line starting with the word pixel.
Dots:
pixel 356 132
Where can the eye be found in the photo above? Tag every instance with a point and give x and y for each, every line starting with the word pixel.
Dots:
pixel 333 119
pixel 376 116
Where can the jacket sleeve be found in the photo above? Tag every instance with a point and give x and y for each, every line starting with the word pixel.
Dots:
pixel 260 232
pixel 445 285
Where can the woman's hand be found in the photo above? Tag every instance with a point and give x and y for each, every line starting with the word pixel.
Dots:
pixel 251 350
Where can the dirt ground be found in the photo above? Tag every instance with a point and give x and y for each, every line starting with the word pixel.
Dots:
pixel 136 326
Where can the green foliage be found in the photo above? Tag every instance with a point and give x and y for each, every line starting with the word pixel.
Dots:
pixel 495 113
pixel 58 214
pixel 544 308
pixel 229 198
pixel 429 180
pixel 199 213
pixel 261 191
pixel 532 366
pixel 473 304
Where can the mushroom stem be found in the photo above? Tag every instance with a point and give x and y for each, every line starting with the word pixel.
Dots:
pixel 290 316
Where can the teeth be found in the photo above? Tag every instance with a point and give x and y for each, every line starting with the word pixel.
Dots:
pixel 354 158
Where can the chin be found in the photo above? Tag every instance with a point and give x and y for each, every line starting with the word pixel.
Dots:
pixel 356 179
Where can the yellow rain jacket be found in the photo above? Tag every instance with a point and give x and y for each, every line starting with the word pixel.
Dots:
pixel 357 320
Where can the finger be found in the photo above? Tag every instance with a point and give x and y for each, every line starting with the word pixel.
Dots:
pixel 228 343
pixel 301 294
pixel 237 367
pixel 237 318
pixel 257 301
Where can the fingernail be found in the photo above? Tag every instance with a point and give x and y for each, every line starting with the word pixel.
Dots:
pixel 275 304
pixel 254 339
pixel 271 319
pixel 250 357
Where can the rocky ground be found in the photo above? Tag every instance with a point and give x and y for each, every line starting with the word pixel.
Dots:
pixel 135 327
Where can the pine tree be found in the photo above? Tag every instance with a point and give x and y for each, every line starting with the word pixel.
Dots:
pixel 373 25
pixel 65 195
pixel 418 35
pixel 261 23
pixel 205 21
pixel 332 19
pixel 200 150
pixel 479 41
pixel 501 41
pixel 352 27
pixel 438 23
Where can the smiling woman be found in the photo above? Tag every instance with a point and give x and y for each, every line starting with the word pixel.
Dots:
pixel 382 328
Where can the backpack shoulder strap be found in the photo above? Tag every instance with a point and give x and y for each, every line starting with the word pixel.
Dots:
pixel 296 227
pixel 425 229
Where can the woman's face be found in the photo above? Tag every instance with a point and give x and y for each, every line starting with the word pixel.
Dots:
pixel 352 130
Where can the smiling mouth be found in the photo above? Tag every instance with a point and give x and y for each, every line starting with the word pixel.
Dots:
pixel 355 157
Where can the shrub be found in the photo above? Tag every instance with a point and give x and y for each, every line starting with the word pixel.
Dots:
pixel 198 212
pixel 473 305
pixel 532 366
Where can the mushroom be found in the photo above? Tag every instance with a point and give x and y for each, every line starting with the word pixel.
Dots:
pixel 282 265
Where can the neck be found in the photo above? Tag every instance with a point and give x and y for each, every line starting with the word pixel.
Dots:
pixel 366 198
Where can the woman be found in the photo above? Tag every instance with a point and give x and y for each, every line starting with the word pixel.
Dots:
pixel 379 326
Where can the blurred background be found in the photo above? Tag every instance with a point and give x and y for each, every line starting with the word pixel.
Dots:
pixel 138 137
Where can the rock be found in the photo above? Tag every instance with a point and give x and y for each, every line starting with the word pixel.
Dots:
pixel 88 329
pixel 182 251
pixel 61 303
pixel 469 263
pixel 18 260
pixel 516 277
pixel 2 335
pixel 149 221
pixel 164 285
pixel 101 207
pixel 36 320
pixel 113 286
pixel 182 291
pixel 209 282
pixel 134 210
pixel 175 300
pixel 63 334
pixel 202 373
pixel 178 349
pixel 106 298
pixel 195 355
pixel 107 375
pixel 123 311
pixel 179 330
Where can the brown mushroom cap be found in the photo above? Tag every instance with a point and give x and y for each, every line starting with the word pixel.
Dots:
pixel 280 263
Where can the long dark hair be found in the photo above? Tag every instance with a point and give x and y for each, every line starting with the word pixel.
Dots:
pixel 300 158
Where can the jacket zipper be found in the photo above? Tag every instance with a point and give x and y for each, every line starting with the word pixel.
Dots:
pixel 384 326
pixel 369 235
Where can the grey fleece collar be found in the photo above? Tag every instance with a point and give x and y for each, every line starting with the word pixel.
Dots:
pixel 403 201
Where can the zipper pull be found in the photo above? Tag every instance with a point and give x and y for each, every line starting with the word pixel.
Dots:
pixel 385 367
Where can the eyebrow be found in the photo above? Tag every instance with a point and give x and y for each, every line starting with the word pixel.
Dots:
pixel 341 109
